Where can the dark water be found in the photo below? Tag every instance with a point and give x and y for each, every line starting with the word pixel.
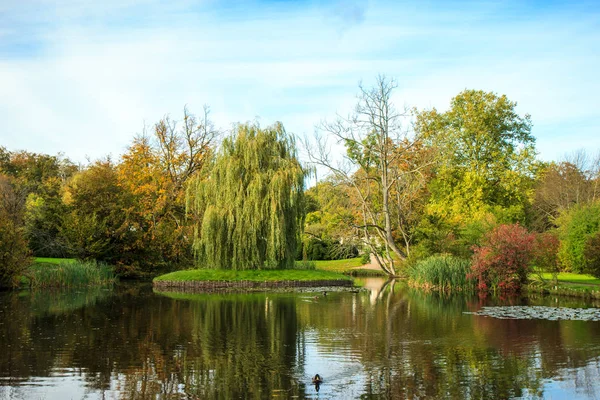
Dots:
pixel 131 343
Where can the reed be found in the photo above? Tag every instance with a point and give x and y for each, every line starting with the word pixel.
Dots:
pixel 70 274
pixel 441 272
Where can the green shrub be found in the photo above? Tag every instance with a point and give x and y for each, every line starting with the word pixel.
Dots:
pixel 592 255
pixel 365 257
pixel 327 249
pixel 441 272
pixel 575 228
pixel 305 265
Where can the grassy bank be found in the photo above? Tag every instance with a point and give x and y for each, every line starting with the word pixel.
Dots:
pixel 55 261
pixel 250 275
pixel 569 284
pixel 67 273
pixel 349 266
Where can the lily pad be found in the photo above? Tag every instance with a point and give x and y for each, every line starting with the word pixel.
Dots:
pixel 541 312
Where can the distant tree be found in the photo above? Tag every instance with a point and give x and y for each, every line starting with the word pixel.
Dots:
pixel 14 253
pixel 384 171
pixel 564 184
pixel 328 232
pixel 250 206
pixel 40 178
pixel 592 255
pixel 576 226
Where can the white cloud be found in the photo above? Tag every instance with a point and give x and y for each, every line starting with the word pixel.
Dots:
pixel 99 70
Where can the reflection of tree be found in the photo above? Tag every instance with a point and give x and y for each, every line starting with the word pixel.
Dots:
pixel 210 347
pixel 414 344
pixel 409 344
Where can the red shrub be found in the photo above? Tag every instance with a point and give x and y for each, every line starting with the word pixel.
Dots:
pixel 502 261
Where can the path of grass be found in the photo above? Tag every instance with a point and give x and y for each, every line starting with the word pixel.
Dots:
pixel 251 275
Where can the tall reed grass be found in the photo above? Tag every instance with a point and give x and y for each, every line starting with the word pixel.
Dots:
pixel 70 274
pixel 442 272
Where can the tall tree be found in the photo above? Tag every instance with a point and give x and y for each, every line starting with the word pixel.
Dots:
pixel 14 253
pixel 384 167
pixel 40 178
pixel 561 185
pixel 250 206
pixel 155 171
pixel 485 159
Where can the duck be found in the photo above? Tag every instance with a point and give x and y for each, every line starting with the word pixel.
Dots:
pixel 317 380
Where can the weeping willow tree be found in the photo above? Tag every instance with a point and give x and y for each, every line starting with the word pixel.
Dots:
pixel 249 209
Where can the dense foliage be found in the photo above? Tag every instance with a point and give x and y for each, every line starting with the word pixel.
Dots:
pixel 576 226
pixel 485 165
pixel 451 183
pixel 250 207
pixel 14 253
pixel 502 261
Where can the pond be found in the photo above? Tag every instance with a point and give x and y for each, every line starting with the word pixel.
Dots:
pixel 130 342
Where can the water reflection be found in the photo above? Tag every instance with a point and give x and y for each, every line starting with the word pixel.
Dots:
pixel 393 342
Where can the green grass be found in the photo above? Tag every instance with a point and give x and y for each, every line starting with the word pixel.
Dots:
pixel 341 266
pixel 69 273
pixel 48 260
pixel 251 275
pixel 568 277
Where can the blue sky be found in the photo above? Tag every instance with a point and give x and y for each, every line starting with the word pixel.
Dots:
pixel 84 76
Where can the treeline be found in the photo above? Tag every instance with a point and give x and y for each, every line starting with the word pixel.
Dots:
pixel 464 183
pixel 412 184
pixel 130 213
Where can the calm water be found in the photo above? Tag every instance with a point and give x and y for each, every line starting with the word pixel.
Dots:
pixel 131 343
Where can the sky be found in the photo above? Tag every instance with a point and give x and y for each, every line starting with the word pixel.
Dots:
pixel 83 77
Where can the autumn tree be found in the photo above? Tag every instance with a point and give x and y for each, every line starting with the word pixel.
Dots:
pixel 14 253
pixel 155 171
pixel 561 185
pixel 384 168
pixel 485 161
pixel 249 206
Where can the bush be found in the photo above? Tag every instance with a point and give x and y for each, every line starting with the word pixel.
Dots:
pixel 441 272
pixel 502 261
pixel 327 249
pixel 545 254
pixel 592 255
pixel 365 257
pixel 575 228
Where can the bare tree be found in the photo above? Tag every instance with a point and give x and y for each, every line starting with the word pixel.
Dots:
pixel 574 180
pixel 383 166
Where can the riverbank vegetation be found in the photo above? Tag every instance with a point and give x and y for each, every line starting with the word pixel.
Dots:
pixel 68 274
pixel 449 199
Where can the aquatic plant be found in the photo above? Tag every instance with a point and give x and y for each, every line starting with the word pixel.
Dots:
pixel 70 274
pixel 441 272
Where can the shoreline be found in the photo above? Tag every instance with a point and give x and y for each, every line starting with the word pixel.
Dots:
pixel 247 285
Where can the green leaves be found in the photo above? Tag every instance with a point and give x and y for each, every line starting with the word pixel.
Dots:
pixel 250 206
